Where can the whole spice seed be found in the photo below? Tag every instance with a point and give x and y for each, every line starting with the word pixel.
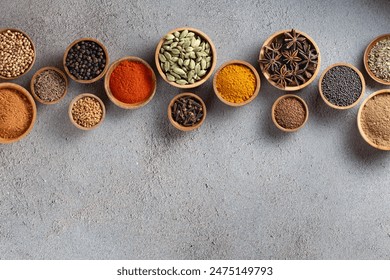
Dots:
pixel 131 82
pixel 187 111
pixel 290 60
pixel 375 119
pixel 16 113
pixel 185 57
pixel 86 60
pixel 290 113
pixel 49 85
pixel 341 86
pixel 16 54
pixel 87 112
pixel 236 83
pixel 379 59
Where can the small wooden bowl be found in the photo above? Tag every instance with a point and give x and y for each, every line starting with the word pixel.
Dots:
pixel 366 55
pixel 178 126
pixel 268 75
pixel 94 79
pixel 23 91
pixel 361 79
pixel 33 47
pixel 274 107
pixel 113 98
pixel 255 93
pixel 32 82
pixel 82 96
pixel 210 70
pixel 359 123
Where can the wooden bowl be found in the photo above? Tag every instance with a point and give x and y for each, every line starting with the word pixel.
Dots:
pixel 268 75
pixel 368 140
pixel 367 53
pixel 178 126
pixel 24 92
pixel 255 93
pixel 274 107
pixel 210 70
pixel 32 87
pixel 33 47
pixel 94 79
pixel 82 96
pixel 113 98
pixel 361 79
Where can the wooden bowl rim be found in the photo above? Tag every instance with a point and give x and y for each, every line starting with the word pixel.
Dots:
pixel 267 75
pixel 213 59
pixel 43 69
pixel 284 97
pixel 186 128
pixel 366 54
pixel 361 79
pixel 25 92
pixel 105 67
pixel 359 123
pixel 82 95
pixel 254 71
pixel 107 88
pixel 33 47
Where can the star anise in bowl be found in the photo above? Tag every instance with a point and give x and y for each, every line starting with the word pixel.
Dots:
pixel 289 60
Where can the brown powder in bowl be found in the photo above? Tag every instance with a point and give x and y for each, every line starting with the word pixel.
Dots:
pixel 16 113
pixel 375 119
pixel 290 113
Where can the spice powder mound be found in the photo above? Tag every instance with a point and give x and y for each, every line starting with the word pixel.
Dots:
pixel 132 82
pixel 87 112
pixel 290 113
pixel 375 119
pixel 16 113
pixel 236 83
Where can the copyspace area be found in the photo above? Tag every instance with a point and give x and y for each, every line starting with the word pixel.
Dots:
pixel 236 188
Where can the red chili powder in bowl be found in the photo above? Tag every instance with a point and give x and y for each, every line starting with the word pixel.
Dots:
pixel 131 82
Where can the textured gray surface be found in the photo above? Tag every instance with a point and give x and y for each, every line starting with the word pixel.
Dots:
pixel 236 188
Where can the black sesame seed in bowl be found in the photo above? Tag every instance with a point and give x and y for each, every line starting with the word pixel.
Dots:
pixel 86 60
pixel 341 86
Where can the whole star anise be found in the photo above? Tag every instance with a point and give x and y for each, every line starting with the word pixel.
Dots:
pixel 291 57
pixel 271 61
pixel 293 39
pixel 280 77
pixel 296 76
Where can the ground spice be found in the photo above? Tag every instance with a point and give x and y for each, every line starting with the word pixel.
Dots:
pixel 375 119
pixel 17 54
pixel 131 82
pixel 87 112
pixel 290 113
pixel 49 86
pixel 16 113
pixel 236 83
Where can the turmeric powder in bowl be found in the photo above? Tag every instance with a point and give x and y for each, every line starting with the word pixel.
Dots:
pixel 236 83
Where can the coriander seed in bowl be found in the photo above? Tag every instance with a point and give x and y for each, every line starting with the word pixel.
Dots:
pixel 87 111
pixel 18 53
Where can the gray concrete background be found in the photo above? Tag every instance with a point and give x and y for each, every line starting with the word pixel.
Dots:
pixel 136 188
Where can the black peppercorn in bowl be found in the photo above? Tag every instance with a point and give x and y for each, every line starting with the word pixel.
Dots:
pixel 186 111
pixel 290 60
pixel 86 60
pixel 341 86
pixel 19 53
